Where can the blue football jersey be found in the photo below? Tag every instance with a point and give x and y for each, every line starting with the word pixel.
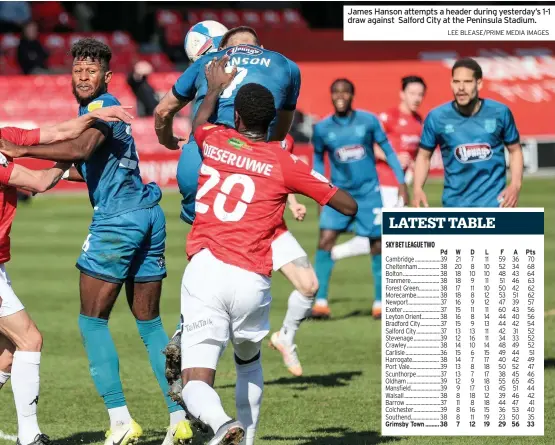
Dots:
pixel 349 142
pixel 254 65
pixel 112 171
pixel 472 148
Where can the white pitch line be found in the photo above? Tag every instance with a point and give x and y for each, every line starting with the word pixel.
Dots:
pixel 7 436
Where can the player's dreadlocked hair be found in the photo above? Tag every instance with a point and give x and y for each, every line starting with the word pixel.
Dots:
pixel 256 107
pixel 227 36
pixel 93 49
pixel 469 63
pixel 347 81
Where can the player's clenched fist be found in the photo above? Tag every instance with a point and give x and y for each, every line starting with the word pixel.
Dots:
pixel 216 75
pixel 509 196
pixel 419 198
pixel 298 211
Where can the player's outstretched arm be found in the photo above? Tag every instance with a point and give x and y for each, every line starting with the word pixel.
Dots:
pixel 164 113
pixel 344 203
pixel 421 170
pixel 75 150
pixel 218 80
pixel 75 127
pixel 509 196
pixel 36 181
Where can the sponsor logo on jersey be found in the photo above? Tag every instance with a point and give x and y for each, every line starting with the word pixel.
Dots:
pixel 467 153
pixel 95 105
pixel 319 176
pixel 3 160
pixel 161 262
pixel 236 143
pixel 350 153
pixel 490 125
pixel 243 49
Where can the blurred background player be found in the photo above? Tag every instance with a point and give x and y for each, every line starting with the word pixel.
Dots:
pixel 402 125
pixel 127 210
pixel 283 80
pixel 238 303
pixel 20 339
pixel 348 136
pixel 472 133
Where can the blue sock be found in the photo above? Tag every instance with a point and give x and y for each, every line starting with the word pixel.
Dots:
pixel 377 274
pixel 155 339
pixel 323 267
pixel 103 360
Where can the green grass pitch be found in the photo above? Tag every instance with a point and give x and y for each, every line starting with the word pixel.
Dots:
pixel 336 402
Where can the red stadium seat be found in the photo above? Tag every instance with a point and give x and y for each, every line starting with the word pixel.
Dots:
pixel 175 34
pixel 122 41
pixel 159 61
pixel 9 44
pixel 51 14
pixel 166 17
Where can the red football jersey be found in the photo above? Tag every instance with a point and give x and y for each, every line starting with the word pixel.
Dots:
pixel 403 131
pixel 8 195
pixel 242 193
pixel 288 143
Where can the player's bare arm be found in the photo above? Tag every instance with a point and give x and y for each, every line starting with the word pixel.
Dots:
pixel 343 202
pixel 164 113
pixel 283 125
pixel 509 196
pixel 67 151
pixel 218 80
pixel 421 170
pixel 75 127
pixel 36 181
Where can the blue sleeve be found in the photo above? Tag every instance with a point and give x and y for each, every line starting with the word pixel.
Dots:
pixel 294 88
pixel 184 88
pixel 319 148
pixel 393 161
pixel 377 131
pixel 428 139
pixel 510 132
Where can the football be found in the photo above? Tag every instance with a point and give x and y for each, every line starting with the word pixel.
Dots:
pixel 203 37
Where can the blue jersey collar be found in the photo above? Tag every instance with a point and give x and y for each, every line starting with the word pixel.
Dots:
pixel 454 105
pixel 344 121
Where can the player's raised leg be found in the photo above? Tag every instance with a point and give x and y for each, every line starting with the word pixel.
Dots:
pixel 17 327
pixel 292 261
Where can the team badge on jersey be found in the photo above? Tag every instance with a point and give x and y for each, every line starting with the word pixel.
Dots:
pixel 449 128
pixel 350 153
pixel 490 125
pixel 468 153
pixel 360 130
pixel 95 105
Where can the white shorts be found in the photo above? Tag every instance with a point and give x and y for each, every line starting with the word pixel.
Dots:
pixel 390 197
pixel 285 249
pixel 9 304
pixel 221 302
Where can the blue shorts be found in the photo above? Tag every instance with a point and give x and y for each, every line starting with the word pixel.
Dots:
pixel 367 222
pixel 127 246
pixel 187 179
